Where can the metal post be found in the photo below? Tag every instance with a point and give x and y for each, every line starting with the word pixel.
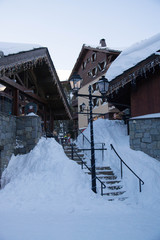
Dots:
pixel 93 169
pixel 103 151
pixel 72 151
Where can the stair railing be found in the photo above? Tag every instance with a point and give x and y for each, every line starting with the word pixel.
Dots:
pixel 122 162
pixel 103 186
pixel 84 149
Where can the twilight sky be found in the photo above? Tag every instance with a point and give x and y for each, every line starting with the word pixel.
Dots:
pixel 65 25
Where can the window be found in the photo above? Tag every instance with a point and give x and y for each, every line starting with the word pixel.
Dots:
pixel 83 65
pixel 102 66
pixel 89 74
pixel 94 57
pixel 94 71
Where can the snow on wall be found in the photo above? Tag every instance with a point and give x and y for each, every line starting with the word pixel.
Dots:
pixel 133 55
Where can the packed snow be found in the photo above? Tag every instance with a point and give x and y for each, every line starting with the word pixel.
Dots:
pixel 153 115
pixel 47 196
pixel 133 55
pixel 13 48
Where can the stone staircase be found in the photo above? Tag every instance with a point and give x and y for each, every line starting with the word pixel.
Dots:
pixel 114 188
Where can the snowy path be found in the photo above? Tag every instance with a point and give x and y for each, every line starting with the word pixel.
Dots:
pixel 124 223
pixel 48 197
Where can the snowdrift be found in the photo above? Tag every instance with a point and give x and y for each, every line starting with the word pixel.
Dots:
pixel 45 177
pixel 147 168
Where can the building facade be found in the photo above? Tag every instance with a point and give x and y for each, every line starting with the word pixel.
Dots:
pixel 138 87
pixel 92 63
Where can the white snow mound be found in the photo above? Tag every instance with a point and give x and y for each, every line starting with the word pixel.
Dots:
pixel 45 176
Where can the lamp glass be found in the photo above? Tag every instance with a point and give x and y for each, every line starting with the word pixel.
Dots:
pixel 75 82
pixel 103 85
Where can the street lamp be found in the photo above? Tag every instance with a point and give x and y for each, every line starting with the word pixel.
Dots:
pixel 75 82
pixel 103 85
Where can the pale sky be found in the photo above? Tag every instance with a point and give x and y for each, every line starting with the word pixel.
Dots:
pixel 65 25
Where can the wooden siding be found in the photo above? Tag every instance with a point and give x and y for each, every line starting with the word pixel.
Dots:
pixel 90 65
pixel 146 98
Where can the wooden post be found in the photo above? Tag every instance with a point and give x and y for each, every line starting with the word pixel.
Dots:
pixel 45 119
pixel 51 121
pixel 16 102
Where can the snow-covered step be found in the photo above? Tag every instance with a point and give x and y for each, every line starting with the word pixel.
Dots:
pixel 114 188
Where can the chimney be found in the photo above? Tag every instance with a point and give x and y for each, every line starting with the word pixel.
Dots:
pixel 103 43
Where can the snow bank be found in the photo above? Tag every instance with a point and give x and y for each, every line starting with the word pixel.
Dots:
pixel 13 48
pixel 153 115
pixel 147 168
pixel 133 55
pixel 45 177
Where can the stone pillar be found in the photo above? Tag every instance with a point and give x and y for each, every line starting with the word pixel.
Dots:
pixel 28 132
pixel 7 138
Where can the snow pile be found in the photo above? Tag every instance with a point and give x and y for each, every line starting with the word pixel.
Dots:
pixel 147 168
pixel 45 176
pixel 133 55
pixel 13 48
pixel 153 115
pixel 47 196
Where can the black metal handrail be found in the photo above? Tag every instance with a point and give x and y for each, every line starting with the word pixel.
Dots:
pixel 103 144
pixel 140 180
pixel 103 186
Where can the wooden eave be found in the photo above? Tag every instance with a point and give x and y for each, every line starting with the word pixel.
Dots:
pixel 132 74
pixel 84 51
pixel 40 61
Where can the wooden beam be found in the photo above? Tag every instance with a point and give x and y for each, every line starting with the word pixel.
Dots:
pixel 8 82
pixel 34 78
pixel 19 79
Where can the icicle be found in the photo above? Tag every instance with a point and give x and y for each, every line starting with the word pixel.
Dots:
pixel 144 71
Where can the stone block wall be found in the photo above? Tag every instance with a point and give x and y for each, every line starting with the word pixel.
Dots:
pixel 145 135
pixel 18 135
pixel 7 138
pixel 28 132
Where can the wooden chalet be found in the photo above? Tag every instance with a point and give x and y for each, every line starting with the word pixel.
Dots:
pixel 138 87
pixel 30 76
pixel 92 63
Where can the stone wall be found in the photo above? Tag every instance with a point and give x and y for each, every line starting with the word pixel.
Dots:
pixel 7 138
pixel 18 135
pixel 145 135
pixel 28 132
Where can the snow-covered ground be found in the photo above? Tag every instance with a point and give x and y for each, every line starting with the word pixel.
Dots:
pixel 46 196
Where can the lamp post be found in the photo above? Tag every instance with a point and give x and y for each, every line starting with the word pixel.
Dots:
pixel 75 82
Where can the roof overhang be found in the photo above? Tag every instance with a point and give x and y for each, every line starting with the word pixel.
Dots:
pixel 40 62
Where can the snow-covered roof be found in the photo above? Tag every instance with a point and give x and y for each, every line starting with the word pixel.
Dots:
pixel 100 48
pixel 133 55
pixel 13 48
